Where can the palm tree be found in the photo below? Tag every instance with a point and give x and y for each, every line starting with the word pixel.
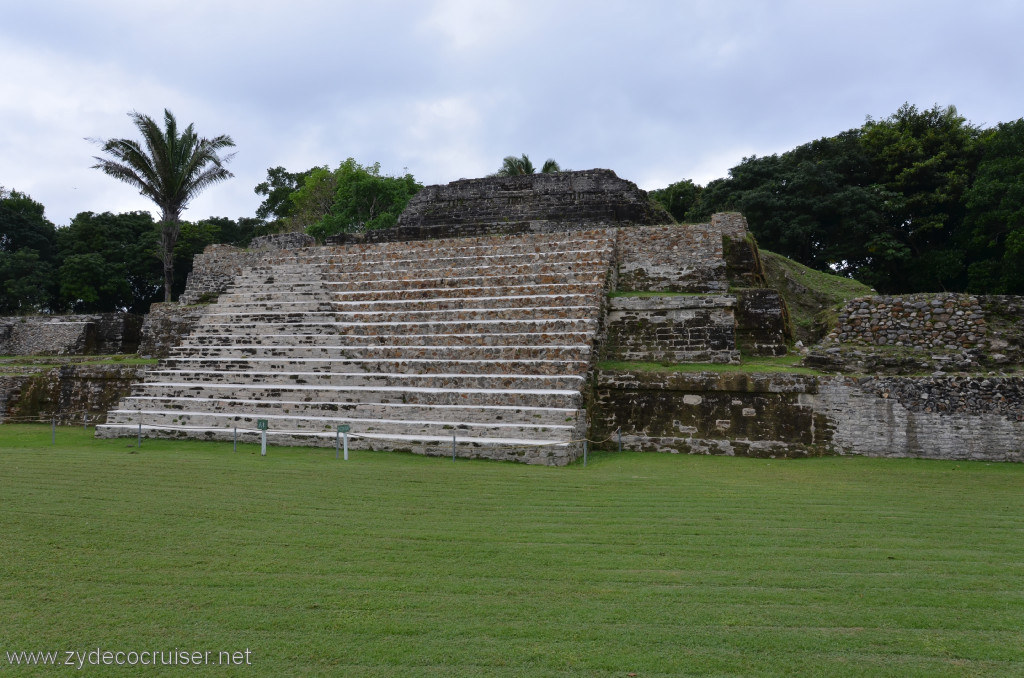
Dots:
pixel 512 166
pixel 168 168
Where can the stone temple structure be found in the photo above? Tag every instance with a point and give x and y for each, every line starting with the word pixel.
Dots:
pixel 510 318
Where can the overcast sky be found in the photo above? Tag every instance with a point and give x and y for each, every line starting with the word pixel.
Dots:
pixel 657 91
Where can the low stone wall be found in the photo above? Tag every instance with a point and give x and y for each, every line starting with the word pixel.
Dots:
pixel 67 393
pixel 760 415
pixel 675 329
pixel 165 327
pixel 686 258
pixel 792 415
pixel 865 422
pixel 926 321
pixel 70 334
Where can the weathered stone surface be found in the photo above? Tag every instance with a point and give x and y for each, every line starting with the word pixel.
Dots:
pixel 762 323
pixel 684 258
pixel 676 329
pixel 166 325
pixel 786 415
pixel 67 394
pixel 70 334
pixel 534 203
pixel 924 321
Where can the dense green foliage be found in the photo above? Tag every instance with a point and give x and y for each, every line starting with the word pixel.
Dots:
pixel 397 565
pixel 99 262
pixel 511 166
pixel 919 201
pixel 108 262
pixel 27 248
pixel 170 168
pixel 352 197
pixel 677 198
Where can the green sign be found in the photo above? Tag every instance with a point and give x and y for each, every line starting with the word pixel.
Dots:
pixel 262 424
pixel 344 428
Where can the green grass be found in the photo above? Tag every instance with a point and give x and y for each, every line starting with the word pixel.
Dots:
pixel 811 296
pixel 748 364
pixel 397 565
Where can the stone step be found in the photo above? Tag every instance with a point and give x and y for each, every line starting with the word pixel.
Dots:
pixel 529 451
pixel 468 247
pixel 220 316
pixel 358 425
pixel 247 304
pixel 541 301
pixel 363 410
pixel 551 353
pixel 392 328
pixel 388 379
pixel 469 292
pixel 528 339
pixel 379 394
pixel 372 365
pixel 458 282
pixel 282 276
pixel 585 252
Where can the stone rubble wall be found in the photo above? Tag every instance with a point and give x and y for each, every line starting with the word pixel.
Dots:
pixel 795 415
pixel 70 334
pixel 677 329
pixel 925 321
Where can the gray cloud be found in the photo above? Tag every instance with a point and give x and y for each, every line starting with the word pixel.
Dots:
pixel 657 91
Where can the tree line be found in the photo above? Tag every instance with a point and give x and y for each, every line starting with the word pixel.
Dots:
pixel 921 200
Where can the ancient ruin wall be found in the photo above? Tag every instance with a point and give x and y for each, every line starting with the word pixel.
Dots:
pixel 949 417
pixel 67 394
pixel 70 334
pixel 925 321
pixel 533 203
pixel 686 258
pixel 678 329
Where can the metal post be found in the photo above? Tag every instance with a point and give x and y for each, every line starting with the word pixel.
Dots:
pixel 337 443
pixel 584 451
pixel 263 443
pixel 453 447
pixel 235 448
pixel 53 430
pixel 140 435
pixel 85 419
pixel 345 439
pixel 619 432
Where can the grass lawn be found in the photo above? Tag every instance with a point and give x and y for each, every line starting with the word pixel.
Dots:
pixel 397 565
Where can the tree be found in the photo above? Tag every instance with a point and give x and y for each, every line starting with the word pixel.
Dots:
pixel 512 166
pixel 107 262
pixel 277 189
pixel 677 198
pixel 927 158
pixel 169 168
pixel 351 198
pixel 995 212
pixel 27 250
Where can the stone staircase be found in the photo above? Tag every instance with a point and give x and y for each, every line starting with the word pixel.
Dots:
pixel 489 339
